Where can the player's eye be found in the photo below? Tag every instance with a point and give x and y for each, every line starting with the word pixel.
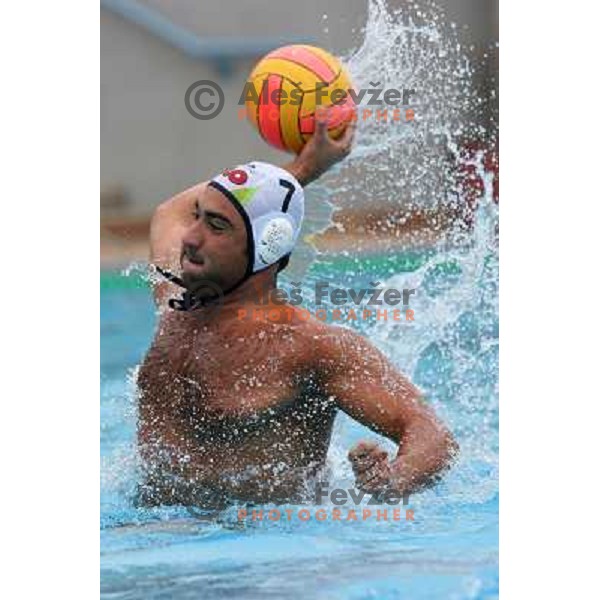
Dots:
pixel 217 224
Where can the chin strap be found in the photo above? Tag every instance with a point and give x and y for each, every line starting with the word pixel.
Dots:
pixel 187 301
pixel 168 275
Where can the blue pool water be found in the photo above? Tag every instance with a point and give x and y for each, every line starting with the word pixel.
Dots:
pixel 449 551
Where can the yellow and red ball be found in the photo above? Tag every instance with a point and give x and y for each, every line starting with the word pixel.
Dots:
pixel 288 84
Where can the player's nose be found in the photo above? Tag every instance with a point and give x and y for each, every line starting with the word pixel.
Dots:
pixel 194 235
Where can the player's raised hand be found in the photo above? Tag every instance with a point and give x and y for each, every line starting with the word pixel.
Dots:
pixel 321 152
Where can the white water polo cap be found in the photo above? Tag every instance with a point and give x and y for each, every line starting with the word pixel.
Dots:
pixel 271 202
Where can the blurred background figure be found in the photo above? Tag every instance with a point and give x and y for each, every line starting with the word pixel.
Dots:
pixel 152 51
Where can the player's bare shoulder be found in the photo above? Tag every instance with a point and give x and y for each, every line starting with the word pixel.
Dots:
pixel 320 345
pixel 339 351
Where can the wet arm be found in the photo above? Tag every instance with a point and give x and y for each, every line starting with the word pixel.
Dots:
pixel 370 389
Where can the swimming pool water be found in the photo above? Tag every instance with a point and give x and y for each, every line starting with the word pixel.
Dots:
pixel 449 551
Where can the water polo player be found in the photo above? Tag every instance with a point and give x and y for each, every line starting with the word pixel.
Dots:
pixel 242 410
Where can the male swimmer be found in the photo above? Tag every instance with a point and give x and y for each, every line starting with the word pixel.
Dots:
pixel 237 409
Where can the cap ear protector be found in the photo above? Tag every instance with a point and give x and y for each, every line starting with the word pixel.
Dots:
pixel 274 238
pixel 271 202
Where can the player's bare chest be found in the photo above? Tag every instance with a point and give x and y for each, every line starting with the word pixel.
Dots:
pixel 233 376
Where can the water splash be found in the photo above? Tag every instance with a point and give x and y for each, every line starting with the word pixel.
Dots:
pixel 412 48
pixel 451 350
pixel 413 164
